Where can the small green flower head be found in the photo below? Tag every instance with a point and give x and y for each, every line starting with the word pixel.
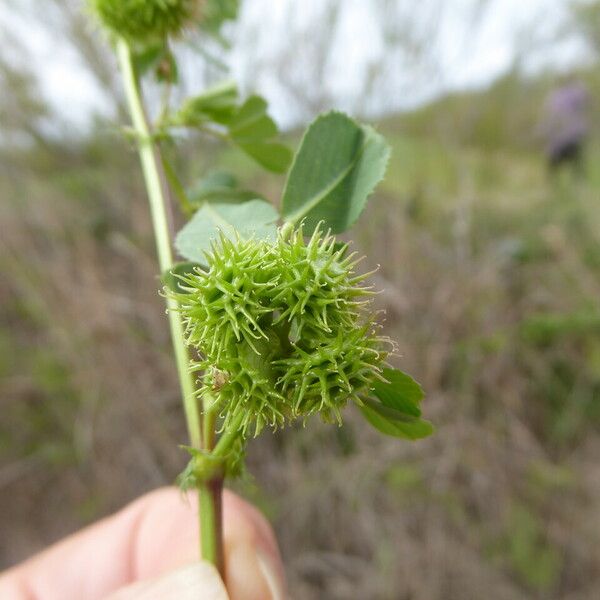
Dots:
pixel 283 329
pixel 143 20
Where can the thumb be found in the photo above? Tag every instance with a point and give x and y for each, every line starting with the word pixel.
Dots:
pixel 198 580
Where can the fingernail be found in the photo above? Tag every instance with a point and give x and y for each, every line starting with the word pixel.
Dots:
pixel 252 576
pixel 272 576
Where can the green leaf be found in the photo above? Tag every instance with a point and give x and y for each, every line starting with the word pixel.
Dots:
pixel 223 196
pixel 218 104
pixel 401 392
pixel 336 168
pixel 222 187
pixel 252 128
pixel 271 155
pixel 216 180
pixel 394 422
pixel 398 412
pixel 251 122
pixel 171 278
pixel 248 126
pixel 253 218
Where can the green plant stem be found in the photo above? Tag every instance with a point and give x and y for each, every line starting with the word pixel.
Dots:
pixel 210 495
pixel 158 199
pixel 210 492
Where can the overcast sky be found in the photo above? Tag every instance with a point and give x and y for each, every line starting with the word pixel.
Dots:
pixel 466 53
pixel 465 56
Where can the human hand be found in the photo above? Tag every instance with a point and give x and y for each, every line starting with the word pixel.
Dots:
pixel 148 551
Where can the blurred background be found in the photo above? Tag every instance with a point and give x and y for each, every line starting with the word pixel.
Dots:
pixel 487 233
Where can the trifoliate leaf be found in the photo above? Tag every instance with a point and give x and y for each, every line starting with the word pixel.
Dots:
pixel 336 168
pixel 255 218
pixel 395 423
pixel 247 126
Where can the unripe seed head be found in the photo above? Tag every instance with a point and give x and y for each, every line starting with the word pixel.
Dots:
pixel 143 20
pixel 283 329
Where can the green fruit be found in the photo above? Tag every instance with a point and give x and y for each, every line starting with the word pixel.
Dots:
pixel 144 20
pixel 317 289
pixel 227 304
pixel 283 329
pixel 323 376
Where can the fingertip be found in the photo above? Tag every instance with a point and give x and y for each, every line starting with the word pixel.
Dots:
pixel 253 565
pixel 256 526
pixel 194 581
pixel 166 534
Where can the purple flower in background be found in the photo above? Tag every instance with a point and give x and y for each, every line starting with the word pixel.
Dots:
pixel 565 122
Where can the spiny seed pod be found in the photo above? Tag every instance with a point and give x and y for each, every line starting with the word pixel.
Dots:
pixel 318 290
pixel 247 385
pixel 282 328
pixel 337 369
pixel 143 20
pixel 228 303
